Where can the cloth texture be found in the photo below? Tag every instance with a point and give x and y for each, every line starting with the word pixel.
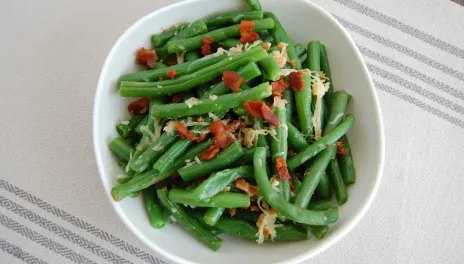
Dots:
pixel 53 208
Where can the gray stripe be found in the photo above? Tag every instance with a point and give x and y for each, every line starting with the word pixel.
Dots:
pixel 419 104
pixel 412 72
pixel 415 88
pixel 409 52
pixel 60 231
pixel 43 241
pixel 414 32
pixel 17 252
pixel 78 222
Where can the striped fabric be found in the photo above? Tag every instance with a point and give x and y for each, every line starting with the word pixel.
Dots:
pixel 53 210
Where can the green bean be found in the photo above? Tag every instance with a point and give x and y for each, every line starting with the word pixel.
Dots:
pixel 142 123
pixel 254 5
pixel 221 103
pixel 230 43
pixel 262 141
pixel 300 50
pixel 217 35
pixel 247 72
pixel 276 201
pixel 192 55
pixel 325 67
pixel 240 111
pixel 313 175
pixel 290 232
pixel 167 216
pixel 303 106
pixel 222 199
pixel 162 52
pixel 181 69
pixel 192 153
pixel 321 144
pixel 163 37
pixel 183 83
pixel 337 110
pixel 124 130
pixel 192 225
pixel 280 35
pixel 320 205
pixel 219 180
pixel 167 159
pixel 289 96
pixel 154 151
pixel 160 65
pixel 213 214
pixel 153 208
pixel 232 18
pixel 323 188
pixel 139 182
pixel 314 52
pixel 270 68
pixel 317 231
pixel 220 161
pixel 346 164
pixel 123 179
pixel 266 37
pixel 336 177
pixel 195 28
pixel 279 146
pixel 247 215
pixel 121 148
pixel 296 139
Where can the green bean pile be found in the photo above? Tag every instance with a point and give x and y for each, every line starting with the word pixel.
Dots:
pixel 257 154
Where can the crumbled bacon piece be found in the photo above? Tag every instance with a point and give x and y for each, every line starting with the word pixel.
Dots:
pixel 245 186
pixel 236 124
pixel 247 37
pixel 217 127
pixel 184 132
pixel 232 80
pixel 247 26
pixel 209 153
pixel 269 115
pixel 139 106
pixel 206 48
pixel 341 150
pixel 232 211
pixel 296 81
pixel 266 46
pixel 258 109
pixel 292 187
pixel 221 139
pixel 254 208
pixel 147 57
pixel 253 107
pixel 278 87
pixel 202 137
pixel 177 97
pixel 171 73
pixel 282 169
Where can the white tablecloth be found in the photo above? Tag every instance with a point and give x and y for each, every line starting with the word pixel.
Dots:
pixel 53 209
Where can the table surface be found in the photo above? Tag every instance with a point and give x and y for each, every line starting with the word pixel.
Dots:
pixel 53 209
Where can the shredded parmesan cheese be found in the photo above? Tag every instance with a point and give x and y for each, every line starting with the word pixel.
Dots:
pixel 213 116
pixel 286 72
pixel 191 102
pixel 249 46
pixel 193 123
pixel 125 122
pixel 157 148
pixel 129 161
pixel 236 50
pixel 318 89
pixel 279 58
pixel 145 129
pixel 212 97
pixel 180 57
pixel 170 127
pixel 266 222
pixel 249 136
pixel 266 46
pixel 198 160
pixel 275 184
pixel 335 120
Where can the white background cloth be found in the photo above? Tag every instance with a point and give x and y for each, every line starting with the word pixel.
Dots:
pixel 53 208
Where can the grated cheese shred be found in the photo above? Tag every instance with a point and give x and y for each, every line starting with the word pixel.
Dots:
pixel 318 89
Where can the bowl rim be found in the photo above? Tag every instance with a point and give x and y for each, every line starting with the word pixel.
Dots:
pixel 297 258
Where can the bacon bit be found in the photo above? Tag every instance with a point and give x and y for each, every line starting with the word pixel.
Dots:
pixel 202 137
pixel 245 186
pixel 147 57
pixel 200 119
pixel 247 26
pixel 160 78
pixel 232 80
pixel 254 208
pixel 184 132
pixel 206 48
pixel 139 106
pixel 293 63
pixel 217 127
pixel 282 169
pixel 266 46
pixel 171 73
pixel 273 212
pixel 278 87
pixel 269 115
pixel 341 150
pixel 177 97
pixel 209 153
pixel 253 107
pixel 292 187
pixel 247 37
pixel 236 124
pixel 232 211
pixel 296 81
pixel 221 139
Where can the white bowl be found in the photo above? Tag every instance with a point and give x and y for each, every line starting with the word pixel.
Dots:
pixel 304 21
